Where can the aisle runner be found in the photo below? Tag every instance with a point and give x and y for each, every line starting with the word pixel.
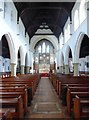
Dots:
pixel 45 100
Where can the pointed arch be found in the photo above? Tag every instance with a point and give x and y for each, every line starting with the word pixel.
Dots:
pixel 68 50
pixel 12 49
pixel 52 39
pixel 77 47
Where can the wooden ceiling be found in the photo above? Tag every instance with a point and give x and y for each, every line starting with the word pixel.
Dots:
pixel 53 14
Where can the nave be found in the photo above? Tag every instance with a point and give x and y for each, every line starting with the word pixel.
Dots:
pixel 46 102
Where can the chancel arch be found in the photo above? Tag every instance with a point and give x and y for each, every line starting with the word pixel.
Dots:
pixel 44 59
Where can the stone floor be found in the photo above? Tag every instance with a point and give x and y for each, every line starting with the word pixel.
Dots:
pixel 46 103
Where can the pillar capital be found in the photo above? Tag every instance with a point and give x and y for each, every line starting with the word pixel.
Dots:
pixel 13 63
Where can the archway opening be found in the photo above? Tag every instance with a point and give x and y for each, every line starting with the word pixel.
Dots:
pixel 70 61
pixel 62 64
pixel 5 60
pixel 25 71
pixel 18 70
pixel 44 59
pixel 84 55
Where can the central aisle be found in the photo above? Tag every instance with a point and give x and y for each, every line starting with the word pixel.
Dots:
pixel 46 103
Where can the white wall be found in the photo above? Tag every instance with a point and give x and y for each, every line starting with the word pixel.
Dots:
pixel 14 31
pixel 2 9
pixel 67 30
pixel 74 38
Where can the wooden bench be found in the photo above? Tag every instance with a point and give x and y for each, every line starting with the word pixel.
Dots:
pixel 5 114
pixel 16 94
pixel 81 108
pixel 15 105
pixel 28 81
pixel 59 80
pixel 25 80
pixel 18 89
pixel 70 97
pixel 64 87
pixel 17 86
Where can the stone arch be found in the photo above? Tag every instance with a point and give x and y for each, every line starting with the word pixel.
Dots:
pixel 68 49
pixel 68 60
pixel 52 39
pixel 78 52
pixel 21 58
pixel 77 47
pixel 11 45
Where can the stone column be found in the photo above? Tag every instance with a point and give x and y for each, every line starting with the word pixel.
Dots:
pixel 13 69
pixel 66 69
pixel 22 69
pixel 27 69
pixel 76 71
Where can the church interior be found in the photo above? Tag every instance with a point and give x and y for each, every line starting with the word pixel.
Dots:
pixel 44 60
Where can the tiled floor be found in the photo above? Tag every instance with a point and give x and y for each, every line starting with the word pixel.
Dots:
pixel 46 103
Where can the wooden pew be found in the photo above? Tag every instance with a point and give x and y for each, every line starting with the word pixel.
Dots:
pixel 70 97
pixel 5 114
pixel 78 87
pixel 17 89
pixel 30 81
pixel 81 108
pixel 12 89
pixel 17 86
pixel 63 85
pixel 67 79
pixel 14 104
pixel 16 94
